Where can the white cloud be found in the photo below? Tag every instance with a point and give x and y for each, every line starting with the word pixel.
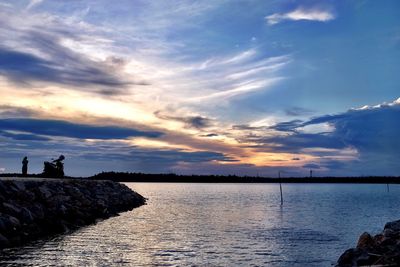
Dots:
pixel 2 169
pixel 246 87
pixel 301 14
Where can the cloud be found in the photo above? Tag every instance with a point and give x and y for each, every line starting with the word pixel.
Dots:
pixel 13 111
pixel 297 111
pixel 73 130
pixel 63 67
pixel 44 49
pixel 242 88
pixel 371 132
pixel 297 141
pixel 210 135
pixel 89 157
pixel 22 136
pixel 190 121
pixel 288 126
pixel 2 169
pixel 163 157
pixel 312 14
pixel 311 166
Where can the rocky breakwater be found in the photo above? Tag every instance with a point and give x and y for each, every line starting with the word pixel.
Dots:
pixel 380 250
pixel 36 208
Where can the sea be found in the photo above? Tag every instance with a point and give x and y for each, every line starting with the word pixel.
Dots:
pixel 188 224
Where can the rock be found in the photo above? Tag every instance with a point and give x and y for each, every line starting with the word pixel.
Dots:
pixel 388 232
pixel 348 257
pixel 365 241
pixel 4 242
pixel 44 192
pixel 381 250
pixel 394 226
pixel 37 211
pixel 3 225
pixel 379 238
pixel 11 209
pixel 15 223
pixel 26 215
pixel 19 185
pixel 31 209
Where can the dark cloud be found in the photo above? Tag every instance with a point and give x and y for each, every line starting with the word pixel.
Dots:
pixel 83 158
pixel 295 158
pixel 174 156
pixel 64 67
pixel 41 56
pixel 197 122
pixel 72 130
pixel 289 126
pixel 170 157
pixel 373 132
pixel 298 141
pixel 311 166
pixel 209 135
pixel 19 136
pixel 371 129
pixel 298 111
pixel 247 127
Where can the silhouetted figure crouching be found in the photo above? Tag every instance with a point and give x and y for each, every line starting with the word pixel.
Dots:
pixel 25 166
pixel 55 168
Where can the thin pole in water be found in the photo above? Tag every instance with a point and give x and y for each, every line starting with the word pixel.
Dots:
pixel 387 185
pixel 280 187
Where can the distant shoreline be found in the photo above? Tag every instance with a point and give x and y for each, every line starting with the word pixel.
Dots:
pixel 174 178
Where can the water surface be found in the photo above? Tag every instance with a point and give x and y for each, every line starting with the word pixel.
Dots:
pixel 224 225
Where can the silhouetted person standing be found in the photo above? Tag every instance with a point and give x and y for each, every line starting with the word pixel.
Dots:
pixel 25 166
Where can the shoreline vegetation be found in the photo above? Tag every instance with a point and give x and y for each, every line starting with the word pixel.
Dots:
pixel 175 178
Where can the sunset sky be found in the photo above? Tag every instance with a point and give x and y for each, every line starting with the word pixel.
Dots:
pixel 205 87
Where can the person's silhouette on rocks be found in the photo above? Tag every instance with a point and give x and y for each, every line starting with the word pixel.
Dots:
pixel 25 166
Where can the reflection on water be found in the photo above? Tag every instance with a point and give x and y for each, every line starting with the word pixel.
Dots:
pixel 223 225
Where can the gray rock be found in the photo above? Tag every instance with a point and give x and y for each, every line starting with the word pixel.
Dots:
pixel 39 208
pixel 4 242
pixel 20 185
pixel 44 192
pixel 394 226
pixel 12 209
pixel 26 216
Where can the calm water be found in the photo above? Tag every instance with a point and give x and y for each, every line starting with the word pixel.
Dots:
pixel 224 225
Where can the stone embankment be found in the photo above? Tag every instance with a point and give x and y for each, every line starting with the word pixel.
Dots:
pixel 35 208
pixel 380 250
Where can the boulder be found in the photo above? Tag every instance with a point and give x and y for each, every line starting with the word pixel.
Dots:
pixel 382 249
pixel 4 242
pixel 393 226
pixel 11 209
pixel 365 241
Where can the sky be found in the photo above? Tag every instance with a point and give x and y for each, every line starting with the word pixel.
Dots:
pixel 201 87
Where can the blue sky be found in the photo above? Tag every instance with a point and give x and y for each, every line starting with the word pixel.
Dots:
pixel 225 87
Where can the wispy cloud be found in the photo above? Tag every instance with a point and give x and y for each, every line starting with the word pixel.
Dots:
pixel 240 89
pixel 33 3
pixel 312 14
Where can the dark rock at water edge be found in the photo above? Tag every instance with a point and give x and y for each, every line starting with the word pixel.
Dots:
pixel 380 250
pixel 32 209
